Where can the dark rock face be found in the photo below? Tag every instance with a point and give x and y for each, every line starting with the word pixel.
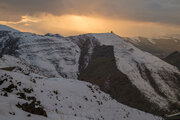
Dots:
pixel 31 108
pixel 173 59
pixel 8 68
pixel 86 44
pixel 9 45
pixel 102 71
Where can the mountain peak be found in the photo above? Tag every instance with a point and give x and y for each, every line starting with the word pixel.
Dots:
pixel 7 28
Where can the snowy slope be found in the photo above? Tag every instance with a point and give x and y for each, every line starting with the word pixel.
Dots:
pixel 129 57
pixel 57 98
pixel 55 56
pixel 6 28
pixel 156 80
pixel 18 65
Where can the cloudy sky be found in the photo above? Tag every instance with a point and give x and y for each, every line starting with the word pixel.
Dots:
pixel 70 17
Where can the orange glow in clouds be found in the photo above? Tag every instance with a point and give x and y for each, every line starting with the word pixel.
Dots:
pixel 73 24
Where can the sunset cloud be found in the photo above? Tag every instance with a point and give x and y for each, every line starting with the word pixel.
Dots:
pixel 160 11
pixel 70 17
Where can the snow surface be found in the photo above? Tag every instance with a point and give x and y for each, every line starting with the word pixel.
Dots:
pixel 55 56
pixel 137 40
pixel 129 57
pixel 20 65
pixel 73 100
pixel 151 41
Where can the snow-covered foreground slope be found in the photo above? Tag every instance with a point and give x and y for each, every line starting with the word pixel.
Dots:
pixel 55 56
pixel 34 97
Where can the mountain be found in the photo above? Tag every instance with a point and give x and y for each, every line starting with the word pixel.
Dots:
pixel 55 56
pixel 159 46
pixel 26 94
pixel 162 47
pixel 7 28
pixel 173 59
pixel 129 75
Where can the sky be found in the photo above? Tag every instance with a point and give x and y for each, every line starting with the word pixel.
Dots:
pixel 70 17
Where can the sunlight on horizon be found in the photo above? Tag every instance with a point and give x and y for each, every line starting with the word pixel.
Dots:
pixel 75 24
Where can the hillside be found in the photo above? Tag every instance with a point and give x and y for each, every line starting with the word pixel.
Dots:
pixel 129 75
pixel 26 94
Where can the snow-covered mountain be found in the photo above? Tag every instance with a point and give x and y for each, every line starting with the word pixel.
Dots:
pixel 7 28
pixel 131 76
pixel 56 56
pixel 26 94
pixel 158 46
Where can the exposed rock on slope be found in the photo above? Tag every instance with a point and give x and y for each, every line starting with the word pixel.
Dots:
pixel 173 59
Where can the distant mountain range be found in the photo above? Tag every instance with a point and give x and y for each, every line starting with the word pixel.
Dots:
pixel 109 62
pixel 159 46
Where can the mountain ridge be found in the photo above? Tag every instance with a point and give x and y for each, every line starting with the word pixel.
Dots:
pixel 7 28
pixel 129 60
pixel 158 46
pixel 116 64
